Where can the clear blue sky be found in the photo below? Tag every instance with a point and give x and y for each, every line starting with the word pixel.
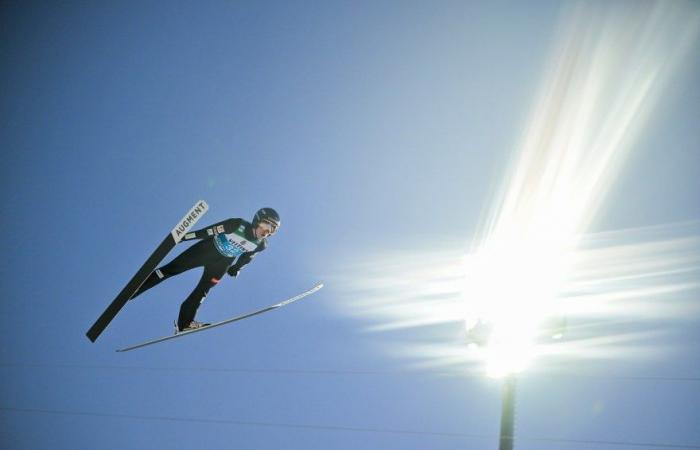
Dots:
pixel 373 128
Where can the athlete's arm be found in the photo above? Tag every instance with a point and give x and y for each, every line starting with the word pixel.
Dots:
pixel 244 259
pixel 226 226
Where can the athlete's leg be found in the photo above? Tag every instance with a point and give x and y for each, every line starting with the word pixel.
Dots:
pixel 210 278
pixel 195 256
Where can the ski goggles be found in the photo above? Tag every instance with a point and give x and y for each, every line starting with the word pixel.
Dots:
pixel 267 226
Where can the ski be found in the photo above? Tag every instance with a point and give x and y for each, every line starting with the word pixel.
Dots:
pixel 224 322
pixel 170 241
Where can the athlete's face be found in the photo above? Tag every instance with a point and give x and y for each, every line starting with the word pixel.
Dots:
pixel 263 230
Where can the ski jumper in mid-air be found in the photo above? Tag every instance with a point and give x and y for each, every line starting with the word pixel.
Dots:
pixel 224 247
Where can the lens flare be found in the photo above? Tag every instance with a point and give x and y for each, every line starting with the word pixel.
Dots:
pixel 609 67
pixel 605 78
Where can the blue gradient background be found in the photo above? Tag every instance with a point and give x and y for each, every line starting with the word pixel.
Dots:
pixel 367 125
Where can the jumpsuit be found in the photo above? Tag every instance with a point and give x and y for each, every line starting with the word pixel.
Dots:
pixel 220 245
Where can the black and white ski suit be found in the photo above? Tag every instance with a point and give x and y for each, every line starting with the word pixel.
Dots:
pixel 223 247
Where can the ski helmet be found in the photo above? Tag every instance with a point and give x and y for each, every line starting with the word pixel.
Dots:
pixel 268 215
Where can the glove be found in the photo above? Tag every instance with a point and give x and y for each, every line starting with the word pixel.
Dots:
pixel 233 271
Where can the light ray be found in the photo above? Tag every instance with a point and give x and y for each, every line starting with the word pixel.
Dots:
pixel 604 82
pixel 609 68
pixel 646 277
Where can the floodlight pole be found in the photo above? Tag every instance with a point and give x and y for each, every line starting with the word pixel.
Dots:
pixel 507 413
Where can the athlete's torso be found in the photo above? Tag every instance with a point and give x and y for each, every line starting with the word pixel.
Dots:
pixel 240 241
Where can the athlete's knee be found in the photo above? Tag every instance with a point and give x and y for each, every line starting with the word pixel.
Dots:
pixel 168 271
pixel 153 279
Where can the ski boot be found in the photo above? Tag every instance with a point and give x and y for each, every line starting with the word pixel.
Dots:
pixel 192 326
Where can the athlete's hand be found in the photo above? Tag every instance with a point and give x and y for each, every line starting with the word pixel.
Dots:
pixel 233 271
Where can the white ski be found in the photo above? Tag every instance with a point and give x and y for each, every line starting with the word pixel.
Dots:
pixel 224 322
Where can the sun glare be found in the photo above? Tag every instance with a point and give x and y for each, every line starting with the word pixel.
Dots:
pixel 610 65
pixel 602 84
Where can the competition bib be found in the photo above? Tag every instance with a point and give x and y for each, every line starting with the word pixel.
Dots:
pixel 234 244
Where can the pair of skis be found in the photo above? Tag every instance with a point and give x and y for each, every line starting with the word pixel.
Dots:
pixel 224 322
pixel 170 241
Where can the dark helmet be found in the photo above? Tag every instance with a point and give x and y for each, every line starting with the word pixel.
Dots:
pixel 268 215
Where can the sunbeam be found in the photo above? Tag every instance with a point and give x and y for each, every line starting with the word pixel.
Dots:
pixel 530 261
